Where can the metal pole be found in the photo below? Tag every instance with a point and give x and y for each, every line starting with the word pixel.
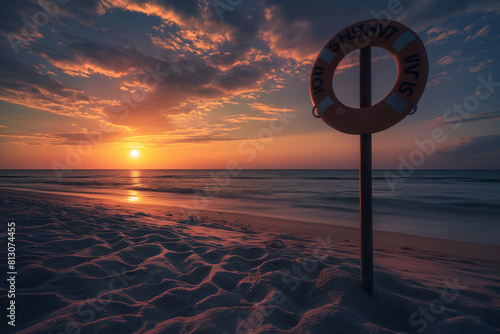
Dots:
pixel 365 175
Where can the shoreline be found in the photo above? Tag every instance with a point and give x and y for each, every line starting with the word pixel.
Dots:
pixel 383 240
pixel 423 207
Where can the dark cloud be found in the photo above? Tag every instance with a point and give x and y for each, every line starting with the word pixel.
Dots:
pixel 473 146
pixel 303 25
pixel 87 137
pixel 226 58
pixel 241 76
pixel 15 16
pixel 300 25
pixel 26 84
pixel 84 138
pixel 421 14
pixel 89 7
pixel 187 8
pixel 486 116
pixel 119 60
pixel 209 92
pixel 18 76
pixel 246 19
pixel 12 13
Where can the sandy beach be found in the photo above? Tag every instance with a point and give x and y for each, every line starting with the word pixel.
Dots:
pixel 87 265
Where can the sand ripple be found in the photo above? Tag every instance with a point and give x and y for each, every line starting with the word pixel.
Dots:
pixel 106 269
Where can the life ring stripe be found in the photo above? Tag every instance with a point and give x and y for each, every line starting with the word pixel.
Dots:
pixel 396 103
pixel 325 104
pixel 403 41
pixel 327 55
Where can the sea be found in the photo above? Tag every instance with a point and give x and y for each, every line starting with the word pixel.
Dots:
pixel 449 204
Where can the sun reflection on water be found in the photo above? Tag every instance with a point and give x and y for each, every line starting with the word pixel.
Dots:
pixel 133 196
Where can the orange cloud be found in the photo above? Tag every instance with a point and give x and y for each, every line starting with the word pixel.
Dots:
pixel 480 66
pixel 439 78
pixel 441 37
pixel 242 118
pixel 448 59
pixel 84 68
pixel 484 117
pixel 85 59
pixel 288 40
pixel 483 32
pixel 268 108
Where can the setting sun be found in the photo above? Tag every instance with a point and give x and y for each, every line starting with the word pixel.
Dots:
pixel 134 153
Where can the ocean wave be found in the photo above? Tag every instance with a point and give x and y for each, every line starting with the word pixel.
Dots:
pixel 85 184
pixel 186 191
pixel 485 180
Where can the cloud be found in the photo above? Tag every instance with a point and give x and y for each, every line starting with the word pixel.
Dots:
pixel 448 59
pixel 480 66
pixel 172 10
pixel 242 118
pixel 85 59
pixel 483 32
pixel 441 37
pixel 268 112
pixel 424 13
pixel 195 26
pixel 288 39
pixel 92 137
pixel 191 134
pixel 485 117
pixel 195 80
pixel 244 76
pixel 27 85
pixel 269 108
pixel 472 146
pixel 439 78
pixel 84 138
pixel 23 22
pixel 208 61
pixel 82 65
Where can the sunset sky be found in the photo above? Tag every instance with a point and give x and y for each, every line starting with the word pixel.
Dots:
pixel 199 83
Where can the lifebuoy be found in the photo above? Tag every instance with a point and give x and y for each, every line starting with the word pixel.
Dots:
pixel 413 69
